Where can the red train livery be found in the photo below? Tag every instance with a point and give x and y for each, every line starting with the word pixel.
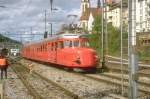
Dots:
pixel 68 50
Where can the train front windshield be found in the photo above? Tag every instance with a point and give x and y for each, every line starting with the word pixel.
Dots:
pixel 76 43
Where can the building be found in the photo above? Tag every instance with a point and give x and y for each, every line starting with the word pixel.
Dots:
pixel 14 52
pixel 114 12
pixel 143 15
pixel 88 14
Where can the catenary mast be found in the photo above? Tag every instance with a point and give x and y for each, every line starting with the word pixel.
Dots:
pixel 133 63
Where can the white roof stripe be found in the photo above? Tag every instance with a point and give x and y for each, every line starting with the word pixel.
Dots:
pixel 65 36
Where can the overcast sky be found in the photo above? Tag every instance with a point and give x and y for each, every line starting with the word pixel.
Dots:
pixel 19 16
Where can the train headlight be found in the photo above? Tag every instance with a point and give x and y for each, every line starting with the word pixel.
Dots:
pixel 77 60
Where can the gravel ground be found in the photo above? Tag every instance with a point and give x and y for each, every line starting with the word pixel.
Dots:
pixel 47 90
pixel 142 79
pixel 13 87
pixel 86 88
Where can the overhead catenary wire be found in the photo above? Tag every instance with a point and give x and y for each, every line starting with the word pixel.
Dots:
pixel 35 25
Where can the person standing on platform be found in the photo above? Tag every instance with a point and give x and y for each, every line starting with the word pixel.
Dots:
pixel 3 66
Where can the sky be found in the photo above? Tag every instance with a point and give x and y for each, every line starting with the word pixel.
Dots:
pixel 17 17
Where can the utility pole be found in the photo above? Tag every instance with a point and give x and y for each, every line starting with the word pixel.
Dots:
pixel 133 61
pixel 46 33
pixel 106 32
pixel 31 34
pixel 51 26
pixel 45 20
pixel 102 33
pixel 52 9
pixel 121 50
pixel 51 4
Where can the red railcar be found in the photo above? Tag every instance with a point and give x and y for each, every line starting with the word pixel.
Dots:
pixel 68 50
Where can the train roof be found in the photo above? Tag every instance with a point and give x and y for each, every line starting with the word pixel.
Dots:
pixel 72 35
pixel 61 36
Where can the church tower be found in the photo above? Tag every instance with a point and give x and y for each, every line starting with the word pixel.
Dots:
pixel 84 5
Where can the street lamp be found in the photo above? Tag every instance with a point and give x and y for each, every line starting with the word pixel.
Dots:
pixel 51 4
pixel 51 24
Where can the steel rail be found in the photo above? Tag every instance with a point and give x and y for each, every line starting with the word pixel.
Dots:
pixel 69 93
pixel 117 69
pixel 74 96
pixel 108 81
pixel 32 91
pixel 113 83
pixel 126 79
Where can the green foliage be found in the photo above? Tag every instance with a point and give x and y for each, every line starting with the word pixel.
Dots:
pixel 6 39
pixel 97 24
pixel 113 38
pixel 95 42
pixel 144 53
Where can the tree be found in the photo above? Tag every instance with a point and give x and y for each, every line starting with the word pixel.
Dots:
pixel 97 24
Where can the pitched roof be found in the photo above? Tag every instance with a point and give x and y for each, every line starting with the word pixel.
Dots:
pixel 109 1
pixel 95 12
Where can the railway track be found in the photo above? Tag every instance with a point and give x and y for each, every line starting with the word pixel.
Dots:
pixel 22 70
pixel 115 82
pixel 112 92
pixel 31 90
pixel 113 64
pixel 143 71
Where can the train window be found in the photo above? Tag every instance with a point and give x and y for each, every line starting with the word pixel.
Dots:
pixel 41 49
pixel 85 44
pixel 55 46
pixel 45 47
pixel 60 45
pixel 52 45
pixel 67 43
pixel 76 43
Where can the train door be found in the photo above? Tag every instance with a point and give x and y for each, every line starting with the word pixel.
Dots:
pixel 53 52
pixel 50 50
pixel 60 54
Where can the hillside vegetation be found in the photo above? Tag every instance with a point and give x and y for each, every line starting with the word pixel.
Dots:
pixel 6 39
pixel 8 43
